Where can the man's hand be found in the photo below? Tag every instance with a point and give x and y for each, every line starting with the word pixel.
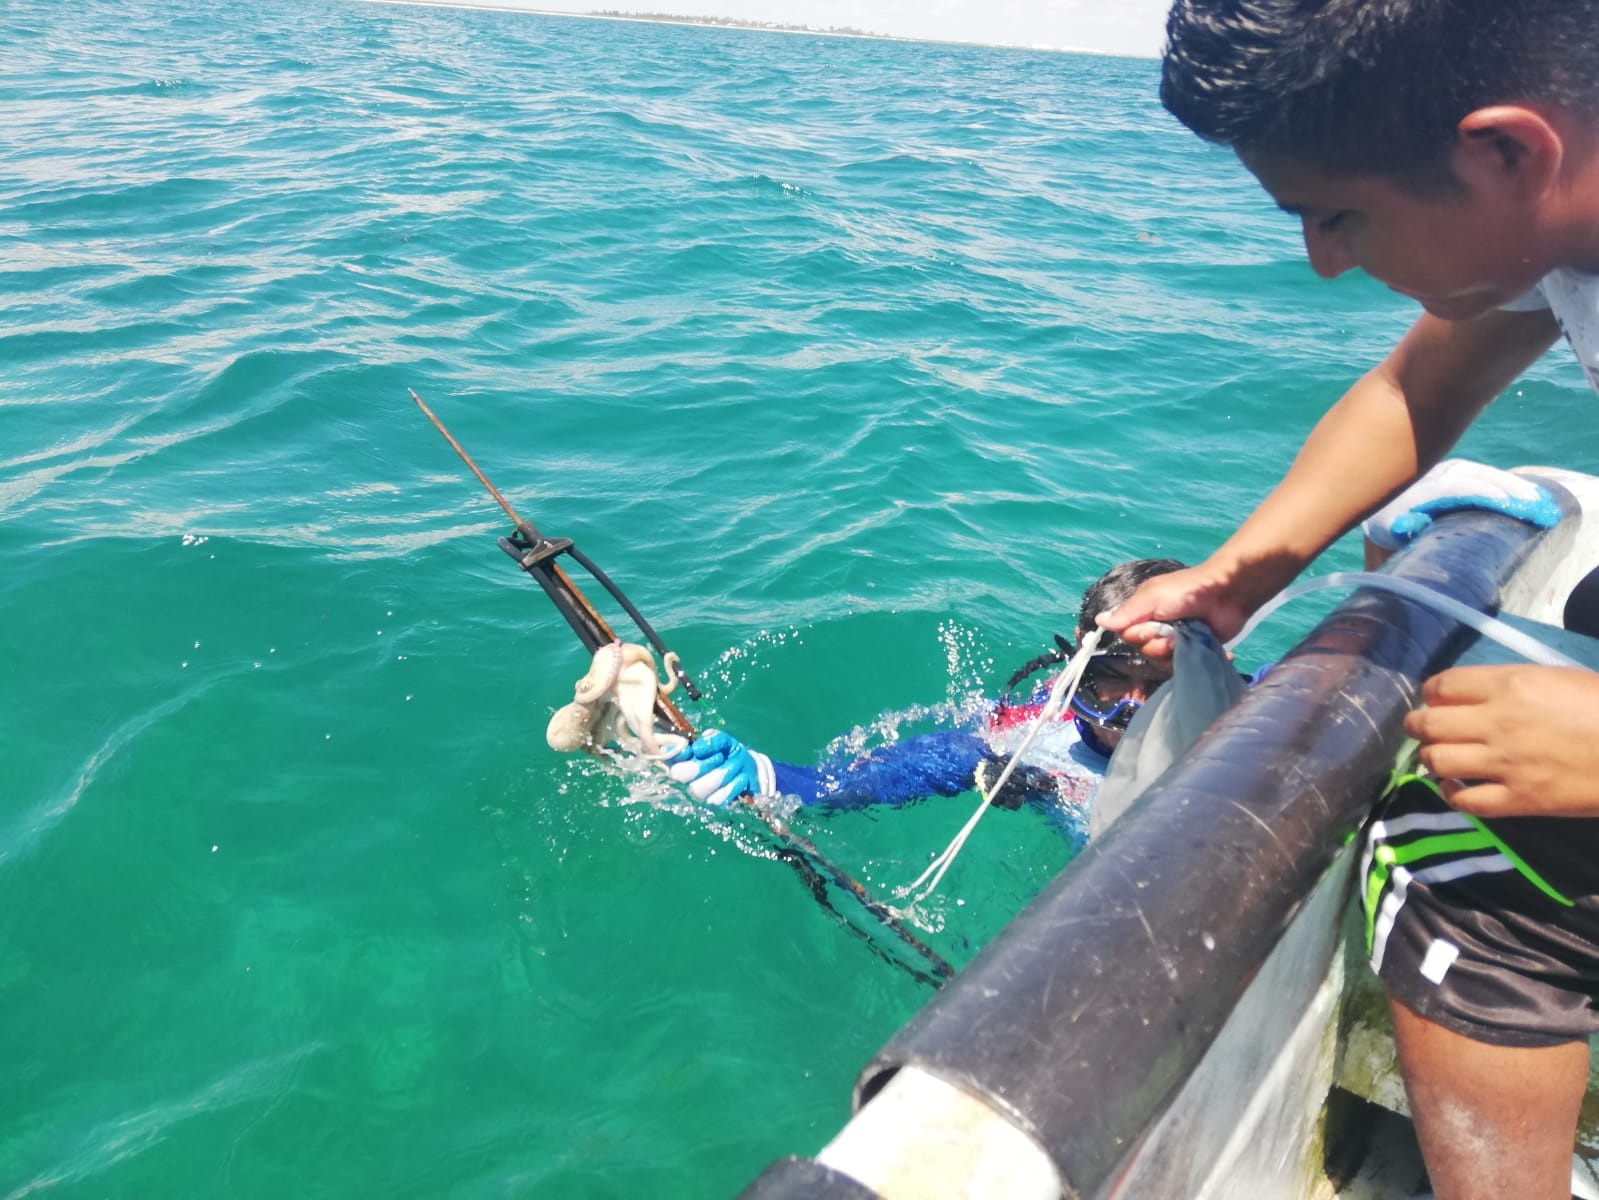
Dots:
pixel 1513 741
pixel 1203 591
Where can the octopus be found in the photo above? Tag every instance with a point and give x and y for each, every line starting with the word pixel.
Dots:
pixel 614 702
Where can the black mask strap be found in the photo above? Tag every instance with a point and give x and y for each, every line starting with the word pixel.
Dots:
pixel 1062 653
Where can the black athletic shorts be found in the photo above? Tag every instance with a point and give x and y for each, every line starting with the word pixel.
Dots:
pixel 1488 928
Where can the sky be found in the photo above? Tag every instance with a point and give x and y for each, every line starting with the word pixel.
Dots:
pixel 1107 26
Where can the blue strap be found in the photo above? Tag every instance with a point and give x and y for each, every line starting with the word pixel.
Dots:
pixel 1543 512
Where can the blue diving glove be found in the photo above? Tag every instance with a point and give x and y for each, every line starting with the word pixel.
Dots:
pixel 1456 484
pixel 717 768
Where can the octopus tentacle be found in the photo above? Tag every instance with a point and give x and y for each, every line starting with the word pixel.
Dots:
pixel 634 695
pixel 602 674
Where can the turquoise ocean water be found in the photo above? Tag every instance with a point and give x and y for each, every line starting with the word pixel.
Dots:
pixel 852 360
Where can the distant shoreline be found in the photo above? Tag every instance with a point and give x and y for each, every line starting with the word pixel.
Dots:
pixel 613 14
pixel 751 26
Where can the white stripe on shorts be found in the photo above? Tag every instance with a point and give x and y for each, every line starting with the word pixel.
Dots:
pixel 1381 831
pixel 1400 880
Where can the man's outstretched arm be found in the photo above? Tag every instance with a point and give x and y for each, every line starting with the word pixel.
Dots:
pixel 1394 423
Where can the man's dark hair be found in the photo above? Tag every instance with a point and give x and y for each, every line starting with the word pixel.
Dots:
pixel 1114 586
pixel 1374 87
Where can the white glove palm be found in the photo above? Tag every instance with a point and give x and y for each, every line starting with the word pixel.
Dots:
pixel 1455 484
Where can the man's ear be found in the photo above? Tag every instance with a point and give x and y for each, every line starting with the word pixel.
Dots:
pixel 1508 145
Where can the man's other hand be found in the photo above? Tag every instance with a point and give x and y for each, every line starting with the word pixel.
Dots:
pixel 1512 741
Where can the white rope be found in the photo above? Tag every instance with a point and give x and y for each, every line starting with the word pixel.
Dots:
pixel 1065 685
pixel 1060 695
pixel 1493 628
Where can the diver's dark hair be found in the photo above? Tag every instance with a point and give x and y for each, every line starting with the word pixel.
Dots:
pixel 1372 87
pixel 1114 586
pixel 1109 590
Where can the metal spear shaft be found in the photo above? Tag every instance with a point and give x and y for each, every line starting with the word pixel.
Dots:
pixel 593 631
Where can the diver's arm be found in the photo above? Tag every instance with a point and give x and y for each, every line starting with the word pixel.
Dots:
pixel 941 763
pixel 718 768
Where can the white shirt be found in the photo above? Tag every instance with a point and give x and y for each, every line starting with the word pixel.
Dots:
pixel 1573 296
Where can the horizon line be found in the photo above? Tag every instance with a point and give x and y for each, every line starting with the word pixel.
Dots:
pixel 755 27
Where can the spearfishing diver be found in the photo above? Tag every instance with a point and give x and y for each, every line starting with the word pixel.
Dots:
pixel 1061 773
pixel 1058 777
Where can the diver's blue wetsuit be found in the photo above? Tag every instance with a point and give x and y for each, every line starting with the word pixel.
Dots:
pixel 942 763
pixel 1059 776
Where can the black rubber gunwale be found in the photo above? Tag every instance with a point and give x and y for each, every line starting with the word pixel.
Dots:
pixel 1083 1018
